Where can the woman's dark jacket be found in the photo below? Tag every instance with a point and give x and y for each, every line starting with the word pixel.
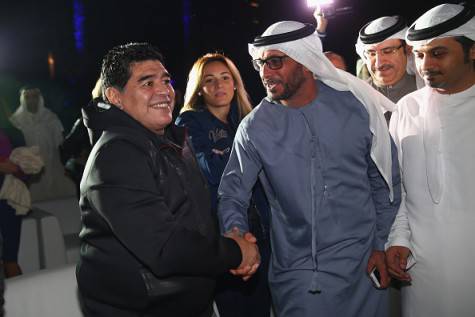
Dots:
pixel 208 133
pixel 148 235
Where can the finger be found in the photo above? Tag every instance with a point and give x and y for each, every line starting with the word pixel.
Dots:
pixel 250 237
pixel 385 281
pixel 254 269
pixel 247 276
pixel 385 278
pixel 393 267
pixel 403 262
pixel 397 273
pixel 244 270
pixel 370 267
pixel 394 274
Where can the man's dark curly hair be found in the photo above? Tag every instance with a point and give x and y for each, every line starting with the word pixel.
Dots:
pixel 117 63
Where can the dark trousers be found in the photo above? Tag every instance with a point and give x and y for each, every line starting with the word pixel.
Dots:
pixel 236 298
pixel 2 277
pixel 94 308
pixel 10 226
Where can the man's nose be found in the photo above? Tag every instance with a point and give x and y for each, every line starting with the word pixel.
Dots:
pixel 425 63
pixel 379 60
pixel 163 90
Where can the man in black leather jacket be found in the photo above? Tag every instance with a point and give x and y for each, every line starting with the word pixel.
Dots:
pixel 150 245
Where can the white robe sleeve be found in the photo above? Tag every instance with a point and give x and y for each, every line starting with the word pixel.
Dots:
pixel 400 233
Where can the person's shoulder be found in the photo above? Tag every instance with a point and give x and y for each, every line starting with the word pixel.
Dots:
pixel 335 96
pixel 410 104
pixel 123 142
pixel 49 114
pixel 415 97
pixel 257 113
pixel 190 116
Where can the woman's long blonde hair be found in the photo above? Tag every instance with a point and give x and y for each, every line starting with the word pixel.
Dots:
pixel 194 102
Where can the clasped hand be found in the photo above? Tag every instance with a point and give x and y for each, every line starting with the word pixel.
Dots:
pixel 250 254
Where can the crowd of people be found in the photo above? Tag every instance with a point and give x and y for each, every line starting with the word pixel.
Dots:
pixel 309 203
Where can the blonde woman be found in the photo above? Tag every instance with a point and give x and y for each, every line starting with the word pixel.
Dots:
pixel 215 103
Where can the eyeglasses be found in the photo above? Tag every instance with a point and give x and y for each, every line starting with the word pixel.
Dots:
pixel 273 62
pixel 390 50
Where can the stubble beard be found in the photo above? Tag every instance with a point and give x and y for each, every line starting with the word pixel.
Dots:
pixel 290 88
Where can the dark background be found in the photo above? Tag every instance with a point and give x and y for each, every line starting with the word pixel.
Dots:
pixel 79 32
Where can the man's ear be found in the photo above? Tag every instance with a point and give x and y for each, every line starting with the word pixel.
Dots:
pixel 113 96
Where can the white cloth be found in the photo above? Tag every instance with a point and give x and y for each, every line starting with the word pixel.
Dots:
pixel 13 190
pixel 439 14
pixel 44 129
pixel 437 223
pixel 28 158
pixel 411 69
pixel 17 195
pixel 308 52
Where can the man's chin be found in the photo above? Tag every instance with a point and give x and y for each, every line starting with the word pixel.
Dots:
pixel 272 96
pixel 434 84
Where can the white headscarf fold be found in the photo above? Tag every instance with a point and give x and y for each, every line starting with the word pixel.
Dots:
pixel 439 14
pixel 308 52
pixel 377 26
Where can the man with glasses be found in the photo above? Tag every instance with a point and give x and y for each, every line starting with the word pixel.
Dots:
pixel 382 47
pixel 320 146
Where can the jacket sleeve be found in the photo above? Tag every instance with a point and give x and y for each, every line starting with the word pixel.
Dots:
pixel 237 182
pixel 385 209
pixel 123 190
pixel 211 164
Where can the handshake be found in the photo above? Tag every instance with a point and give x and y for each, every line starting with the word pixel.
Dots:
pixel 250 253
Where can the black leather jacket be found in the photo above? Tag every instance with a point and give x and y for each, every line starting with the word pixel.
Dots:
pixel 148 236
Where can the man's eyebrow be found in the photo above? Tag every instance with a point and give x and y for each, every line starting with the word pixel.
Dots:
pixel 145 77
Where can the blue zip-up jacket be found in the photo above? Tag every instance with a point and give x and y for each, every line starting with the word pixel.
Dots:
pixel 208 133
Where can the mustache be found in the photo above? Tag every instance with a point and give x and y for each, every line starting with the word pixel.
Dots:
pixel 384 67
pixel 430 73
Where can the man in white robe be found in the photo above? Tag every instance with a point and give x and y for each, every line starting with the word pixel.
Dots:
pixel 431 241
pixel 41 127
